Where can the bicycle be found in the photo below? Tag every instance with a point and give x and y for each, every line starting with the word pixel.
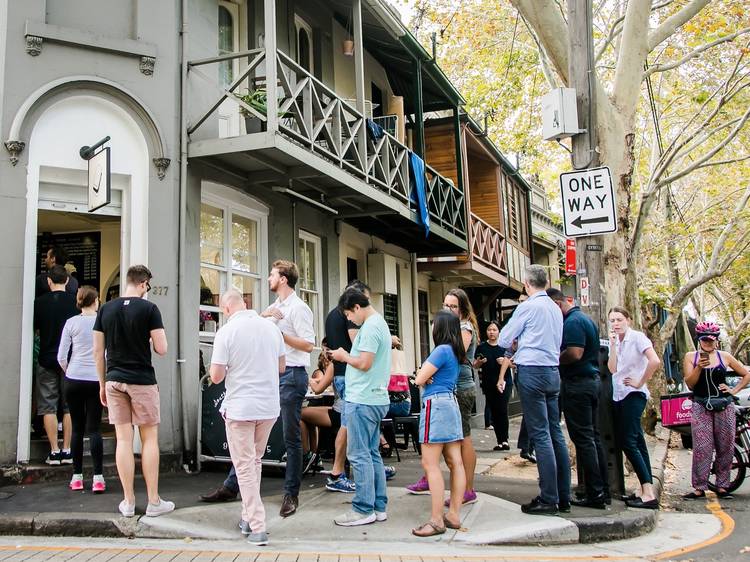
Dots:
pixel 741 458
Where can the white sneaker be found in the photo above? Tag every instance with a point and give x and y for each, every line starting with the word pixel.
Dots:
pixel 127 509
pixel 381 516
pixel 160 508
pixel 352 519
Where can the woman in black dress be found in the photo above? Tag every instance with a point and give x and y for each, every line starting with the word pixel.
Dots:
pixel 488 359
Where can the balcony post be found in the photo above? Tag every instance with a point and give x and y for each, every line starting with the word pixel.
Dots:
pixel 460 174
pixel 419 147
pixel 269 42
pixel 359 79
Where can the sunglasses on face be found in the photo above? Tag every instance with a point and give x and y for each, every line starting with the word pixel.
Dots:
pixel 148 286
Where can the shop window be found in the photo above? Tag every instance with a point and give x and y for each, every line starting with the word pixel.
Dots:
pixel 311 279
pixel 229 250
pixel 390 313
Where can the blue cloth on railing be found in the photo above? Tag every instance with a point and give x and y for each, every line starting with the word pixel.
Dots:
pixel 374 131
pixel 419 190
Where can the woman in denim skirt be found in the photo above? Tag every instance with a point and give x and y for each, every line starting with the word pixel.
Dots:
pixel 440 430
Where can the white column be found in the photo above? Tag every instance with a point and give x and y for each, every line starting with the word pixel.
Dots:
pixel 359 77
pixel 269 14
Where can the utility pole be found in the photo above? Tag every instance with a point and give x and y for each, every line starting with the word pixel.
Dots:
pixel 589 254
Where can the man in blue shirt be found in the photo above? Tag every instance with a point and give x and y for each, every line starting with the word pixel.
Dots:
pixel 537 323
pixel 579 374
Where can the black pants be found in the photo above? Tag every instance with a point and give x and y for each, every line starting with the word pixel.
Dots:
pixel 580 404
pixel 498 403
pixel 629 434
pixel 86 418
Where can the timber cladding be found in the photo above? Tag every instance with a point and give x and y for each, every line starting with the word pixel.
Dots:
pixel 484 191
pixel 440 151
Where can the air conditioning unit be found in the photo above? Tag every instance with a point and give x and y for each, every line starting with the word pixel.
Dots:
pixel 381 273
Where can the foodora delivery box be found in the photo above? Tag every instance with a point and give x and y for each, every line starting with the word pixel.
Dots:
pixel 676 409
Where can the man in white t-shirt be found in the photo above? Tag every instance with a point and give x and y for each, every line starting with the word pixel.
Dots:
pixel 249 352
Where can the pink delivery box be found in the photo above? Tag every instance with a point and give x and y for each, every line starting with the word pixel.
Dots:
pixel 676 409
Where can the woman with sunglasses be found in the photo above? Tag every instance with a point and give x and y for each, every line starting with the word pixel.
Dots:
pixel 632 362
pixel 713 416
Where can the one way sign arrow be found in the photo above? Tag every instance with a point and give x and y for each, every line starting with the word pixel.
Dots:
pixel 588 202
pixel 579 221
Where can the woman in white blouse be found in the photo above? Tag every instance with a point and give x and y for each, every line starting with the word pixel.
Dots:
pixel 632 362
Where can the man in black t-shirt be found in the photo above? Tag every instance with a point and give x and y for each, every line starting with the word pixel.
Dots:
pixel 51 311
pixel 127 328
pixel 579 394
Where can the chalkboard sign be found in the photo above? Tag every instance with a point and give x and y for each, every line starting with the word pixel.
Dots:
pixel 213 431
pixel 83 248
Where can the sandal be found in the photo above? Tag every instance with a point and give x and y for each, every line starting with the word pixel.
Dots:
pixel 432 530
pixel 386 451
pixel 450 525
pixel 725 495
pixel 694 496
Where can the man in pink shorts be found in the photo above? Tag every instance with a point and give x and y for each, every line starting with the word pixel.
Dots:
pixel 127 328
pixel 249 352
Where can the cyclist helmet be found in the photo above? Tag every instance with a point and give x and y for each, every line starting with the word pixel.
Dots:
pixel 708 331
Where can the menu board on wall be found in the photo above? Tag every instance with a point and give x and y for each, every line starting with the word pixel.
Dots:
pixel 84 251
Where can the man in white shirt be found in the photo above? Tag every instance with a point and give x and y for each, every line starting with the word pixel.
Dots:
pixel 249 352
pixel 295 320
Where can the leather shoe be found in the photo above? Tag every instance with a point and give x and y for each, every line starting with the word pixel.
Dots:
pixel 528 456
pixel 639 503
pixel 538 507
pixel 597 502
pixel 289 505
pixel 220 494
pixel 564 507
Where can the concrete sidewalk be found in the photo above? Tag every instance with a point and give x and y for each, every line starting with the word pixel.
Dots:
pixel 503 482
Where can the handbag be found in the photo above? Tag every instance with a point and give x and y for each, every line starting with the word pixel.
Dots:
pixel 714 403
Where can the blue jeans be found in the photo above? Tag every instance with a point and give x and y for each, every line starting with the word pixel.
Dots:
pixel 540 393
pixel 362 450
pixel 399 409
pixel 292 390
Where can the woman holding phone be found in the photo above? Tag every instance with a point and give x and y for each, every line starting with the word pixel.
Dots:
pixel 440 429
pixel 713 421
pixel 632 362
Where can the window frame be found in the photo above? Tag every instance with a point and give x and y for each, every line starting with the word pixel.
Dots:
pixel 319 321
pixel 235 205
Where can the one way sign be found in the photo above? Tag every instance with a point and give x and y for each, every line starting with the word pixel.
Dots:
pixel 588 202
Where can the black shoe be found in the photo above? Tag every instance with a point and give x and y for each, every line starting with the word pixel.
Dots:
pixel 289 505
pixel 528 456
pixel 538 507
pixel 597 502
pixel 66 458
pixel 219 495
pixel 564 507
pixel 694 496
pixel 54 458
pixel 726 495
pixel 629 497
pixel 639 503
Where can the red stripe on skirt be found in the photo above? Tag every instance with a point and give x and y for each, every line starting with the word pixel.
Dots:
pixel 427 421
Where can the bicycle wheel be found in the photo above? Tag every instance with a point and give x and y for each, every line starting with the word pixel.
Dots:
pixel 736 476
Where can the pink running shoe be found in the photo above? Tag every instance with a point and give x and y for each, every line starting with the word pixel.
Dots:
pixel 420 488
pixel 76 483
pixel 98 487
pixel 470 496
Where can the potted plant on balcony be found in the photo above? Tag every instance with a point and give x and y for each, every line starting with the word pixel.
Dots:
pixel 257 99
pixel 348 43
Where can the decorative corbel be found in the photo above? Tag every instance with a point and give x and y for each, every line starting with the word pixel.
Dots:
pixel 14 147
pixel 161 166
pixel 147 65
pixel 34 45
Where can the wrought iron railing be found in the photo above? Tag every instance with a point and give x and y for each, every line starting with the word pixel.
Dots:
pixel 488 245
pixel 313 115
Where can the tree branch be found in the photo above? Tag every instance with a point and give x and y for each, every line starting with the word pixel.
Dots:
pixel 549 74
pixel 722 162
pixel 672 23
pixel 695 53
pixel 552 31
pixel 632 56
pixel 616 29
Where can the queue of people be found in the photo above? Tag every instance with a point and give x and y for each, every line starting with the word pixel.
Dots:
pixel 93 357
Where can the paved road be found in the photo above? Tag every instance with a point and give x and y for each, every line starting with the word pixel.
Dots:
pixel 728 548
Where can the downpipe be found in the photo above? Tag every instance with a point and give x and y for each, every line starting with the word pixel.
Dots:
pixel 189 456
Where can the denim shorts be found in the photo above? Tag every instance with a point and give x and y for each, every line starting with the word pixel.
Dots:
pixel 440 419
pixel 340 386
